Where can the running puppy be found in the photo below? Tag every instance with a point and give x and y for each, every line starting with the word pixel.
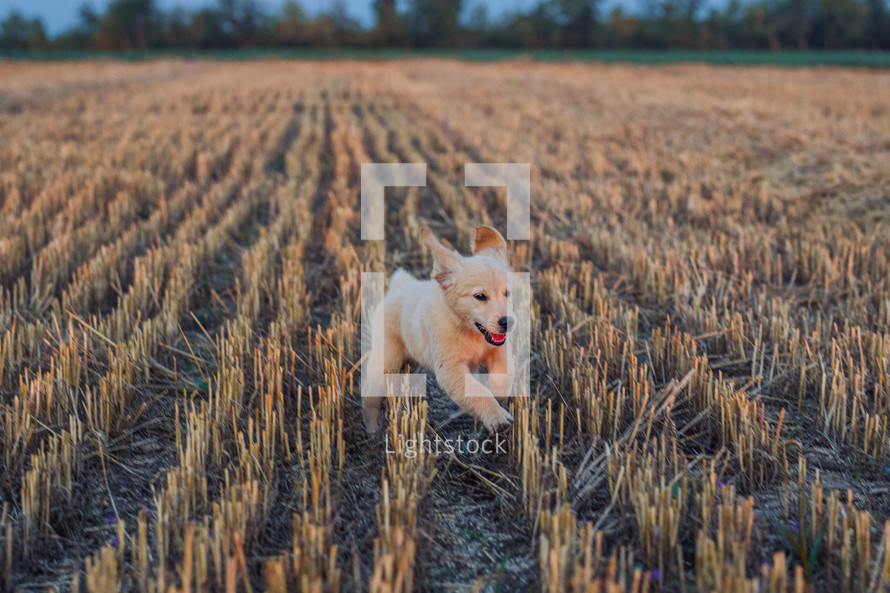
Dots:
pixel 451 324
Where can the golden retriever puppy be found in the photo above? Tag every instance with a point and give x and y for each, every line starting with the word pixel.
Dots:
pixel 452 324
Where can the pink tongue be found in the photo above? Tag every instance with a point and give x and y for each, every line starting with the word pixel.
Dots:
pixel 497 337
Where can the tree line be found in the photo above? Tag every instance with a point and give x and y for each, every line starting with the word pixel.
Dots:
pixel 449 24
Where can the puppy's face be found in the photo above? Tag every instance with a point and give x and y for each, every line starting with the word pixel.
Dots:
pixel 477 289
pixel 481 295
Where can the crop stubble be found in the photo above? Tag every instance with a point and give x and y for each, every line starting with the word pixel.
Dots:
pixel 179 315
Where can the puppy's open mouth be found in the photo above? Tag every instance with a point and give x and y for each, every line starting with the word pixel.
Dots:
pixel 493 339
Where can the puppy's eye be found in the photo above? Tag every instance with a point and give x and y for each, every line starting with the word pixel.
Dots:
pixel 507 293
pixel 480 297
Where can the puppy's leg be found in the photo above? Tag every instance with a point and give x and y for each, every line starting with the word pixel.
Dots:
pixel 373 390
pixel 391 357
pixel 501 371
pixel 472 396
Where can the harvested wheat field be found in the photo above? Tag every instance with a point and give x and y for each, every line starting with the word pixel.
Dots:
pixel 180 263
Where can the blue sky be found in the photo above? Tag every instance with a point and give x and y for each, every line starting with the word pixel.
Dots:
pixel 58 15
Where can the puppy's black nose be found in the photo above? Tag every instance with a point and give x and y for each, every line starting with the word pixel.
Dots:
pixel 506 323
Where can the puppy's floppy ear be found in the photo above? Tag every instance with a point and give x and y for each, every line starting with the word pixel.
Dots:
pixel 489 242
pixel 445 260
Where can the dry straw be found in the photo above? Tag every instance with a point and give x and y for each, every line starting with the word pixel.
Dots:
pixel 180 275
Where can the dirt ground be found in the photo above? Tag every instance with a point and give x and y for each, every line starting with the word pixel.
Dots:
pixel 180 282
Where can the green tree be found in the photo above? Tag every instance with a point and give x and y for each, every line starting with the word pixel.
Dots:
pixel 724 28
pixel 127 24
pixel 434 23
pixel 179 29
pixel 877 25
pixel 208 30
pixel 334 29
pixel 81 35
pixel 87 20
pixel 290 29
pixel 20 33
pixel 242 22
pixel 578 21
pixel 621 30
pixel 476 26
pixel 838 24
pixel 802 14
pixel 346 28
pixel 537 29
pixel 390 29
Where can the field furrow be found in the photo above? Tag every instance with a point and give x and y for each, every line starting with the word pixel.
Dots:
pixel 180 316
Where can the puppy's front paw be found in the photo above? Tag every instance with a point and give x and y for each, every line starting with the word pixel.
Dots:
pixel 372 427
pixel 371 415
pixel 499 420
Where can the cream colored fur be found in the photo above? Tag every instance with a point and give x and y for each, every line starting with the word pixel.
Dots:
pixel 433 323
